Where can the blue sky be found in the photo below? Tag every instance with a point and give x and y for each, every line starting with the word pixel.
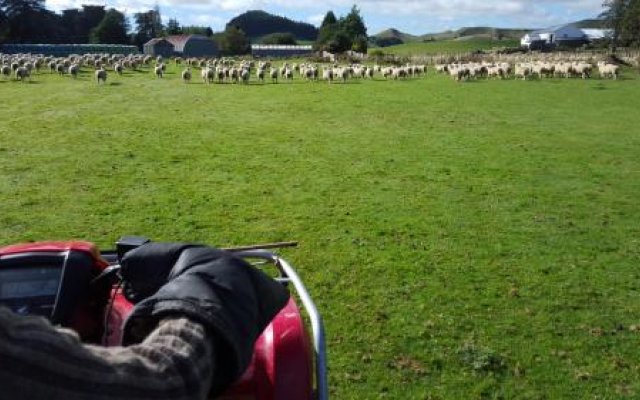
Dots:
pixel 411 16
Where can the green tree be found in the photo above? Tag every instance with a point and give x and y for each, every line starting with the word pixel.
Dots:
pixel 329 19
pixel 197 30
pixel 328 31
pixel 279 38
pixel 360 44
pixel 148 26
pixel 339 43
pixel 631 23
pixel 173 27
pixel 22 19
pixel 234 42
pixel 613 16
pixel 112 29
pixel 339 35
pixel 353 24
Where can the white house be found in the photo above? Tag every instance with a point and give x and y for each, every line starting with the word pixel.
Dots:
pixel 554 36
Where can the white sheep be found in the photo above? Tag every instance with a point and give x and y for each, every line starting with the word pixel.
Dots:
pixel 207 74
pixel 118 68
pixel 74 69
pixel 244 75
pixel 186 75
pixel 608 70
pixel 220 74
pixel 22 73
pixel 260 74
pixel 101 75
pixel 273 73
pixel 6 71
pixel 158 70
pixel 327 74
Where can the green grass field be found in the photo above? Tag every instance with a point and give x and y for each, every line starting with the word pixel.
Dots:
pixel 448 46
pixel 472 240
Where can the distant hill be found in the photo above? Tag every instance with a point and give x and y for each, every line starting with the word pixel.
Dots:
pixel 394 33
pixel 478 32
pixel 590 24
pixel 393 36
pixel 256 24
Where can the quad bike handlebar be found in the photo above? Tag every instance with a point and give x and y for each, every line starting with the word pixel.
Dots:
pixel 287 364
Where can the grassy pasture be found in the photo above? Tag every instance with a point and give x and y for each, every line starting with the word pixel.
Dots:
pixel 448 46
pixel 463 241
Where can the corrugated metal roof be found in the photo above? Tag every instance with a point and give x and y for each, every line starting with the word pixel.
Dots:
pixel 156 41
pixel 179 41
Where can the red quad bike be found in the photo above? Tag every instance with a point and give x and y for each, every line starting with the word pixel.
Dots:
pixel 76 286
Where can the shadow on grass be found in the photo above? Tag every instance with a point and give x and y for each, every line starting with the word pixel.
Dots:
pixel 115 84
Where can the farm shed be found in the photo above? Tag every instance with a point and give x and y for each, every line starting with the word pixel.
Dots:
pixel 561 35
pixel 280 50
pixel 193 46
pixel 158 47
pixel 64 50
pixel 598 34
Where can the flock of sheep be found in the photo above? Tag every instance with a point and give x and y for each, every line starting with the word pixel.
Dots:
pixel 22 66
pixel 220 70
pixel 529 70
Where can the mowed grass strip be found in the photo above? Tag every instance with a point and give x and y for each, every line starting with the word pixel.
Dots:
pixel 473 240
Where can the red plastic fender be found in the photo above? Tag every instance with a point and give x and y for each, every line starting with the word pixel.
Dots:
pixel 282 363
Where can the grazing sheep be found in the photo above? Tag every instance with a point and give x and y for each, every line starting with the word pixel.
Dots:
pixel 307 73
pixel 220 74
pixel 158 70
pixel 101 75
pixel 288 74
pixel 73 70
pixel 6 71
pixel 369 73
pixel 342 73
pixel 207 74
pixel 244 76
pixel 327 74
pixel 260 74
pixel 60 69
pixel 523 71
pixel 233 75
pixel 186 75
pixel 608 70
pixel 22 73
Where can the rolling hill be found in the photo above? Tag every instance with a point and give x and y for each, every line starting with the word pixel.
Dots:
pixel 257 23
pixel 393 36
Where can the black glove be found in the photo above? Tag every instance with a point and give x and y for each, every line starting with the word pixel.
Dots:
pixel 146 268
pixel 234 300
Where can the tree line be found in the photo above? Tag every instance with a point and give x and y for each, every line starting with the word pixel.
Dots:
pixel 29 21
pixel 623 16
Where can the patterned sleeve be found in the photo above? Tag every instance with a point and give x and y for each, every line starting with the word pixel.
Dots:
pixel 38 361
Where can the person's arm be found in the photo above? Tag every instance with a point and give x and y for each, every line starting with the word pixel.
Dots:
pixel 38 361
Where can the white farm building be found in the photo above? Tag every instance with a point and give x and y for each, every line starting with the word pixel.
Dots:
pixel 562 35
